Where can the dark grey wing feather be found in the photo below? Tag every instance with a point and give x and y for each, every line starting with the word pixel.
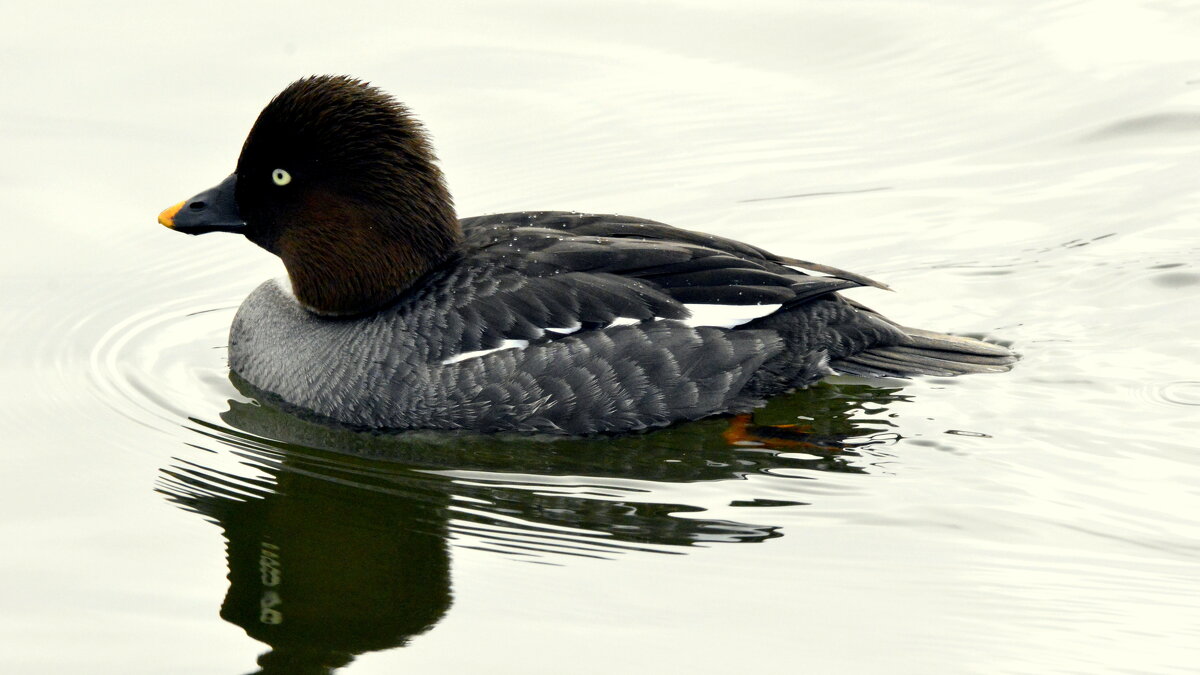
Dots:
pixel 585 224
pixel 627 226
pixel 563 269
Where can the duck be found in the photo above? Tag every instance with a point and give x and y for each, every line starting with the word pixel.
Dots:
pixel 397 315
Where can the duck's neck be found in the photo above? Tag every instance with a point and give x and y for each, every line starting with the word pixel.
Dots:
pixel 355 266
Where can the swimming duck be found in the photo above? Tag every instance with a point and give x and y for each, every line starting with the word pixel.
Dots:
pixel 395 314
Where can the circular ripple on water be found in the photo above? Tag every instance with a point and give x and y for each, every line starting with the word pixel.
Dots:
pixel 166 363
pixel 150 343
pixel 1183 392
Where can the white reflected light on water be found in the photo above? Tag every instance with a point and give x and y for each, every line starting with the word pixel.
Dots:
pixel 1025 171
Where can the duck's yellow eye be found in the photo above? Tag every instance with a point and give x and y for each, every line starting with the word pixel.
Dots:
pixel 281 177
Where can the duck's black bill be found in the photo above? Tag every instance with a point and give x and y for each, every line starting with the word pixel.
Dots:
pixel 214 210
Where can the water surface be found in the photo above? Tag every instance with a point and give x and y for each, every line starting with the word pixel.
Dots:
pixel 1024 172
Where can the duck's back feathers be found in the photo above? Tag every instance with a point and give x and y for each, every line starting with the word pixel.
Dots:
pixel 689 267
pixel 615 226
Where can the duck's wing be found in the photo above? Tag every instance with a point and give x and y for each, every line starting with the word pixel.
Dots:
pixel 629 227
pixel 523 282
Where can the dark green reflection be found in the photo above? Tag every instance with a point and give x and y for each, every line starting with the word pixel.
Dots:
pixel 322 570
pixel 338 540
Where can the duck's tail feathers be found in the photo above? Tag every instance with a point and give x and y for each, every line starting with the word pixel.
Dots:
pixel 924 352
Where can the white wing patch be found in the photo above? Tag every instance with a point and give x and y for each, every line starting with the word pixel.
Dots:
pixel 507 344
pixel 721 316
pixel 726 316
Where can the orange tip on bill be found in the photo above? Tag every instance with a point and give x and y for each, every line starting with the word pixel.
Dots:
pixel 167 217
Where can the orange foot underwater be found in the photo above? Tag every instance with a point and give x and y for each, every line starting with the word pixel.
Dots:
pixel 743 431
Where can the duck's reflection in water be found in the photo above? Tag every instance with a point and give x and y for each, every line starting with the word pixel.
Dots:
pixel 338 542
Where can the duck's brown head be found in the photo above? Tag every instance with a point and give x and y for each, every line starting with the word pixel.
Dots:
pixel 338 180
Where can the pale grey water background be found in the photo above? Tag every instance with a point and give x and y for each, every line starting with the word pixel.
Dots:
pixel 1026 171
